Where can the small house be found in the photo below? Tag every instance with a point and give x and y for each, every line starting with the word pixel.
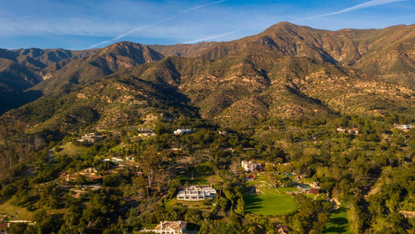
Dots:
pixel 182 131
pixel 223 133
pixel 250 166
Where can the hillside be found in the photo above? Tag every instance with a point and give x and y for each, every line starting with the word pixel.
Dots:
pixel 286 71
pixel 387 52
pixel 106 61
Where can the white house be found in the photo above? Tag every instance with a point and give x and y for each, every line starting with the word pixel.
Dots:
pixel 196 193
pixel 223 133
pixel 182 131
pixel 171 227
pixel 406 126
pixel 250 166
pixel 114 159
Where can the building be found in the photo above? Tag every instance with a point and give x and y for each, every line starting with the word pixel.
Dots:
pixel 171 227
pixel 3 227
pixel 91 138
pixel 89 171
pixel 250 166
pixel 146 132
pixel 315 188
pixel 182 131
pixel 354 131
pixel 282 229
pixel 405 127
pixel 8 224
pixel 312 188
pixel 196 193
pixel 223 133
pixel 117 160
pixel 348 130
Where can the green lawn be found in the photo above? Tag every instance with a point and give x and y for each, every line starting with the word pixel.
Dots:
pixel 71 149
pixel 286 189
pixel 338 222
pixel 269 204
pixel 16 211
pixel 197 179
pixel 206 205
pixel 116 149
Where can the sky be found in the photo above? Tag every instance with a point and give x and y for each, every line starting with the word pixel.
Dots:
pixel 87 24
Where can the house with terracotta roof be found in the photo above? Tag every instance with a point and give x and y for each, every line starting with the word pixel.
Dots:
pixel 3 227
pixel 171 227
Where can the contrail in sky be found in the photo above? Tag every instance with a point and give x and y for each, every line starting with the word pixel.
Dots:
pixel 354 8
pixel 23 17
pixel 211 37
pixel 153 24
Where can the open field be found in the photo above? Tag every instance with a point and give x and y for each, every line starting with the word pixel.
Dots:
pixel 71 149
pixel 206 205
pixel 338 222
pixel 18 213
pixel 286 189
pixel 269 204
pixel 200 179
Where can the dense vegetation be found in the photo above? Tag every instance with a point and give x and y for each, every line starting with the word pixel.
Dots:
pixel 371 174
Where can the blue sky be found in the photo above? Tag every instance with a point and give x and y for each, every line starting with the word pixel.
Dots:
pixel 81 24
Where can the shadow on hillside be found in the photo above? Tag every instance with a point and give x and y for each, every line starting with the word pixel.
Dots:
pixel 253 203
pixel 340 228
pixel 16 100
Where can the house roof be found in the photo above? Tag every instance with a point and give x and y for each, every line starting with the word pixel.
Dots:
pixel 3 226
pixel 175 225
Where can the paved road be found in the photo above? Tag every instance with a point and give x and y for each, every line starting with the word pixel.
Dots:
pixel 50 155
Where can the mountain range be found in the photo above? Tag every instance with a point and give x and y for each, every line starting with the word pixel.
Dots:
pixel 287 71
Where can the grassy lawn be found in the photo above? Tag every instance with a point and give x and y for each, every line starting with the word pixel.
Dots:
pixel 71 149
pixel 18 213
pixel 200 179
pixel 286 189
pixel 149 226
pixel 269 204
pixel 338 222
pixel 206 205
pixel 116 149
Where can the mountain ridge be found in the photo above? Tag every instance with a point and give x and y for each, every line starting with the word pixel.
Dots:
pixel 286 71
